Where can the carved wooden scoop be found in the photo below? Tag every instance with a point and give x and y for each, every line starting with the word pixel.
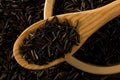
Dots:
pixel 90 22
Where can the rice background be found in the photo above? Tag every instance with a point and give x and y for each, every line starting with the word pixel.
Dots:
pixel 15 16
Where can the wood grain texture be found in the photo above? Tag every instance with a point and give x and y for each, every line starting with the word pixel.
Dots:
pixel 90 22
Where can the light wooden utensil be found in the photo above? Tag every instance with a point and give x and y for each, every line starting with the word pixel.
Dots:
pixel 48 8
pixel 89 22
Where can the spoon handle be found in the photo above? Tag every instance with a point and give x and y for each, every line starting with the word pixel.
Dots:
pixel 97 19
pixel 48 8
pixel 104 14
pixel 92 20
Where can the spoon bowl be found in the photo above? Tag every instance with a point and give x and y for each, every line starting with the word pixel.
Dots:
pixel 89 22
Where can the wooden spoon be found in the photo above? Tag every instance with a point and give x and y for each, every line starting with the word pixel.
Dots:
pixel 90 22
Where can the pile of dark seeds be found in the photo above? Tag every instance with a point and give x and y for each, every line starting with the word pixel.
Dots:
pixel 16 15
pixel 50 41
